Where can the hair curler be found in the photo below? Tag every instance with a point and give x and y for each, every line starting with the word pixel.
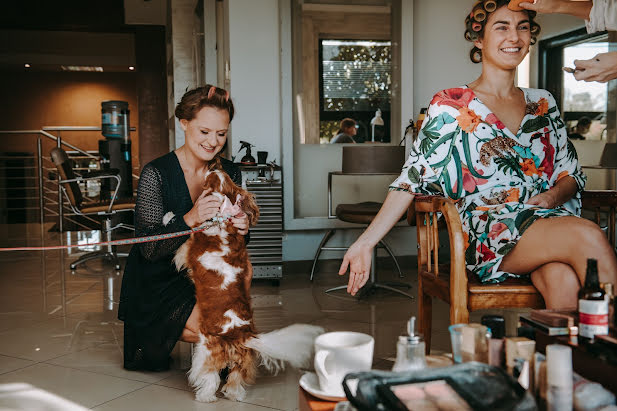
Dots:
pixel 479 14
pixel 490 5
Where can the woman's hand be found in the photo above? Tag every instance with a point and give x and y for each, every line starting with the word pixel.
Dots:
pixel 601 68
pixel 205 208
pixel 241 222
pixel 358 260
pixel 543 200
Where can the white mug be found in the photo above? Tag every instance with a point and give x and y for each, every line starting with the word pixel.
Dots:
pixel 339 353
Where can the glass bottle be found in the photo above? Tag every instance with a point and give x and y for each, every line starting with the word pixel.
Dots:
pixel 609 291
pixel 410 350
pixel 592 305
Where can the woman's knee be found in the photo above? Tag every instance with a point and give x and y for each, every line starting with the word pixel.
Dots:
pixel 587 231
pixel 558 284
pixel 553 274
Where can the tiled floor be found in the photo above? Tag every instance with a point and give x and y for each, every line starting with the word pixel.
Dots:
pixel 59 331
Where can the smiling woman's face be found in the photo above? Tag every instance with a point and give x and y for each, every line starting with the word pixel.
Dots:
pixel 506 39
pixel 206 134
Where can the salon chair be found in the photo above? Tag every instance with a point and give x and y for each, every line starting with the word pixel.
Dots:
pixel 69 184
pixel 364 161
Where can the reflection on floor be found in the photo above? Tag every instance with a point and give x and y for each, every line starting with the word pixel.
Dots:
pixel 59 331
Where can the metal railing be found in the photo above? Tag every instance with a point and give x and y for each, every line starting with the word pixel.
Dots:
pixel 50 200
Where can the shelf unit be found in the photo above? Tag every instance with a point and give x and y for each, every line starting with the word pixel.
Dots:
pixel 266 245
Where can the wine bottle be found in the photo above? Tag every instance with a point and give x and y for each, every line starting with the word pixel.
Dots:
pixel 592 305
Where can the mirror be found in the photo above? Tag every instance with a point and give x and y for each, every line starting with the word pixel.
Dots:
pixel 345 78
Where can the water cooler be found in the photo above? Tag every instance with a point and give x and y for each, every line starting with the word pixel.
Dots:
pixel 115 150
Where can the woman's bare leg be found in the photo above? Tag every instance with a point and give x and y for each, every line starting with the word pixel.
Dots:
pixel 191 328
pixel 548 276
pixel 567 240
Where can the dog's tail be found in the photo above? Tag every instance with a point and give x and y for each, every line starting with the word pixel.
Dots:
pixel 293 345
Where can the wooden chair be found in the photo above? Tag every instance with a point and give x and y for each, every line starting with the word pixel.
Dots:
pixel 452 282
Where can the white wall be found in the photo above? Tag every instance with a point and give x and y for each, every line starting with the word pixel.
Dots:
pixel 255 75
pixel 441 53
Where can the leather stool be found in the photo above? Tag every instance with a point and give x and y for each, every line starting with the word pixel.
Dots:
pixel 360 160
pixel 362 213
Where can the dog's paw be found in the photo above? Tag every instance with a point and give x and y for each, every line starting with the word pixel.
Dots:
pixel 205 396
pixel 237 393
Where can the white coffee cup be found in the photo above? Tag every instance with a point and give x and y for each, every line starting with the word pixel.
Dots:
pixel 339 353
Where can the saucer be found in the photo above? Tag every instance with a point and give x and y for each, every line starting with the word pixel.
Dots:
pixel 310 383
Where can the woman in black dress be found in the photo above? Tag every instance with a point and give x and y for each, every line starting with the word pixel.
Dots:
pixel 157 302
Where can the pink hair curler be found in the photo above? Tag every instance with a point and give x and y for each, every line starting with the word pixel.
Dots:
pixel 211 92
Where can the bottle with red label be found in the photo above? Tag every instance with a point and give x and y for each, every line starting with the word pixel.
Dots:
pixel 592 305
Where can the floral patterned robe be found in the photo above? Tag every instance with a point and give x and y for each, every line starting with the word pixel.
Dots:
pixel 465 153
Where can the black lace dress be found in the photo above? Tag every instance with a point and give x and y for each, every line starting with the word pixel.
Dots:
pixel 156 300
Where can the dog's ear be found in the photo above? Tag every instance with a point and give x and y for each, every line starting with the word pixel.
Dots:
pixel 249 206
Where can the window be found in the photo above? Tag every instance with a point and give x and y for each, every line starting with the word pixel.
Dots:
pixel 355 81
pixel 579 100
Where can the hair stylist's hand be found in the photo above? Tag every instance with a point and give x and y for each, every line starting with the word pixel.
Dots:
pixel 543 6
pixel 601 68
pixel 241 222
pixel 205 208
pixel 358 260
pixel 543 200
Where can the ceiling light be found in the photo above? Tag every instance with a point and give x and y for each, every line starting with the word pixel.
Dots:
pixel 131 68
pixel 82 68
pixel 27 65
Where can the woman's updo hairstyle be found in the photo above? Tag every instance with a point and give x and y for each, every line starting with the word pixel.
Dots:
pixel 205 96
pixel 476 22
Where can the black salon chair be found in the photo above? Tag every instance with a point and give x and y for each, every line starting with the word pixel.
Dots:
pixel 364 161
pixel 69 184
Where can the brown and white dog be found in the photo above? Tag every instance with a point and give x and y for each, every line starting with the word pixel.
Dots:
pixel 217 261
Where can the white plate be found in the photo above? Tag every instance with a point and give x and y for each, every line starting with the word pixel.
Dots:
pixel 310 383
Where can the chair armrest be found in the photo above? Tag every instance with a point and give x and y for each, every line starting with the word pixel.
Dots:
pixel 101 173
pixel 599 198
pixel 423 205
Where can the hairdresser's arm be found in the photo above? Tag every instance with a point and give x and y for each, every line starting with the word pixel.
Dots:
pixel 579 9
pixel 358 257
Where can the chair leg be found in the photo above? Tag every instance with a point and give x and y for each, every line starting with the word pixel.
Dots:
pixel 425 315
pixel 323 242
pixel 389 250
pixel 108 253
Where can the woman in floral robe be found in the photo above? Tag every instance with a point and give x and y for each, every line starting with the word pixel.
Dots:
pixel 502 154
pixel 463 141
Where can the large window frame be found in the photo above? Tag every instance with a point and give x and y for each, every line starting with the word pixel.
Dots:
pixel 551 74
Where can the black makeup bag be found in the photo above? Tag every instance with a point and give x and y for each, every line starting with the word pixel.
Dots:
pixel 482 386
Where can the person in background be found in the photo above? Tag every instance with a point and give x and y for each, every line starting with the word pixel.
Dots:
pixel 599 15
pixel 346 132
pixel 580 129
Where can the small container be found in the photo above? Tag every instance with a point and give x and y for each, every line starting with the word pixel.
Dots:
pixel 559 378
pixel 410 350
